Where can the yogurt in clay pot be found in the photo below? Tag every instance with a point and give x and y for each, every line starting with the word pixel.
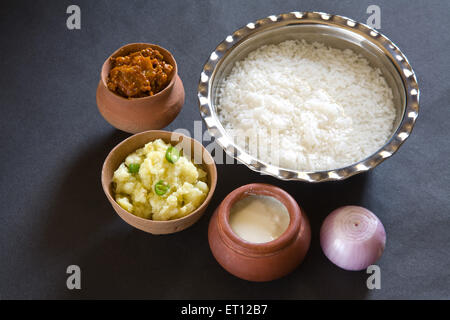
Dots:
pixel 253 255
pixel 259 218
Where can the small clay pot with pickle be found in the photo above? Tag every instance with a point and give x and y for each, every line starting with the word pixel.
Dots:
pixel 138 114
pixel 259 261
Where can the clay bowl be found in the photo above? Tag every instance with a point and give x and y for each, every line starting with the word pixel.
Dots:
pixel 140 114
pixel 259 261
pixel 191 148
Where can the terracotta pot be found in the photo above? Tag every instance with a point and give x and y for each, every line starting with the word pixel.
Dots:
pixel 197 152
pixel 259 261
pixel 140 114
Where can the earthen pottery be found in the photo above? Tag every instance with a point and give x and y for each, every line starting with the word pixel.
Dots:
pixel 259 261
pixel 140 114
pixel 191 148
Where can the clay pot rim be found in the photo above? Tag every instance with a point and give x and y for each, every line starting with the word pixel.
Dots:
pixel 239 244
pixel 205 153
pixel 104 74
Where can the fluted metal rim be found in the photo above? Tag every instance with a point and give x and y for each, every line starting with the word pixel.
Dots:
pixel 399 60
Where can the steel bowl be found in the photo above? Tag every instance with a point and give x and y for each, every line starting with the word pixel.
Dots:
pixel 335 31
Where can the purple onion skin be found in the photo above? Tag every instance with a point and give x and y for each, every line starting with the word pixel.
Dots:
pixel 352 237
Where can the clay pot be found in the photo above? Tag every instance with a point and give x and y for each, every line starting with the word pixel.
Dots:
pixel 191 148
pixel 259 261
pixel 140 114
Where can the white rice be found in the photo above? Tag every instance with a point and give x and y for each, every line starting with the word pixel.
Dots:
pixel 306 106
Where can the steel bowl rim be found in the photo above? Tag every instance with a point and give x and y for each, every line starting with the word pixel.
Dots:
pixel 394 54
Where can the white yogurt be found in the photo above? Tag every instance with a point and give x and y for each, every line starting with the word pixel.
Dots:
pixel 258 218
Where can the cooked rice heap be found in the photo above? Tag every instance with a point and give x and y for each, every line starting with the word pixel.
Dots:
pixel 306 106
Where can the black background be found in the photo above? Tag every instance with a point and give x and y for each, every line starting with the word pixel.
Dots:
pixel 54 141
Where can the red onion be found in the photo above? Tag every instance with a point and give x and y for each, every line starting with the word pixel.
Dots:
pixel 352 237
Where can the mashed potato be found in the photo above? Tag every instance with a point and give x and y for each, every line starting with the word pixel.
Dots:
pixel 137 184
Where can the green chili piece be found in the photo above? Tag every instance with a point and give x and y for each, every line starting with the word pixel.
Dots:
pixel 172 154
pixel 134 167
pixel 161 188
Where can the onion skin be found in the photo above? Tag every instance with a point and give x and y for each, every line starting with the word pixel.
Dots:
pixel 352 237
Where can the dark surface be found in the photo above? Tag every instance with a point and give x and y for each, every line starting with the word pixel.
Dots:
pixel 54 141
